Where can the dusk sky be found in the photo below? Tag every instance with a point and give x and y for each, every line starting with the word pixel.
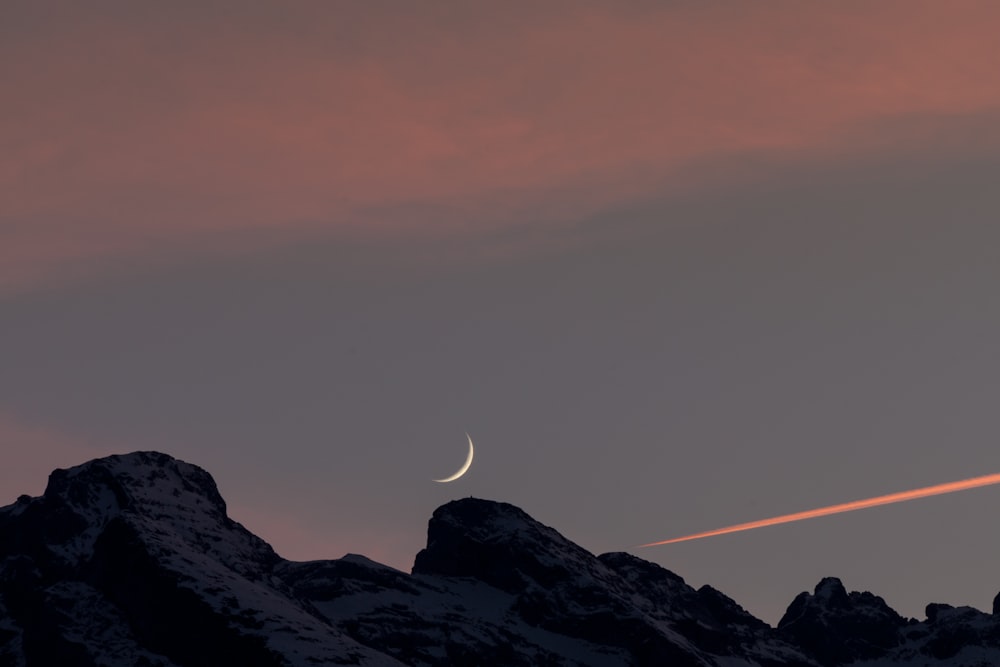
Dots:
pixel 673 265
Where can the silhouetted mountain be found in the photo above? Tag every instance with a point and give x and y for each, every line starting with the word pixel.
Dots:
pixel 131 560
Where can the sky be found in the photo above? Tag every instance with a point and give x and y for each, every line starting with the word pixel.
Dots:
pixel 672 265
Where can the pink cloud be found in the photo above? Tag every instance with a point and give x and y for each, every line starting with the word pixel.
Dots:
pixel 296 538
pixel 133 133
pixel 32 452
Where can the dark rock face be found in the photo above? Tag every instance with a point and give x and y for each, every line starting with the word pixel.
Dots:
pixel 616 600
pixel 838 627
pixel 482 539
pixel 132 560
pixel 950 631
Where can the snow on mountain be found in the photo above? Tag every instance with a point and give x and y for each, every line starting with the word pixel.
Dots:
pixel 132 560
pixel 616 600
pixel 860 629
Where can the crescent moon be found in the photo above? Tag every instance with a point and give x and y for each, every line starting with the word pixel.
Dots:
pixel 465 466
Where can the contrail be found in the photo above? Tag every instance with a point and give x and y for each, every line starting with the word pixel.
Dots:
pixel 902 496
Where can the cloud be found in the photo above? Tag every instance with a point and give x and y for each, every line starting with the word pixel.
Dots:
pixel 297 538
pixel 32 452
pixel 200 128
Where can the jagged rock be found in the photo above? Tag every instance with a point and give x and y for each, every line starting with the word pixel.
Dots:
pixel 132 560
pixel 615 600
pixel 556 585
pixel 837 627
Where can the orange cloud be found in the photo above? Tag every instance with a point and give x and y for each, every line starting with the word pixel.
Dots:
pixel 137 131
pixel 902 496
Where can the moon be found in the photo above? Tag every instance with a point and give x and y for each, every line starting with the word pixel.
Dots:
pixel 465 466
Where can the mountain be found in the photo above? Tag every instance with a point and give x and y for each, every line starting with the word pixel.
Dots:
pixel 132 560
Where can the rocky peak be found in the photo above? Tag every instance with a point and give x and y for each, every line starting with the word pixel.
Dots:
pixel 147 483
pixel 616 600
pixel 830 592
pixel 838 626
pixel 155 495
pixel 498 544
pixel 131 559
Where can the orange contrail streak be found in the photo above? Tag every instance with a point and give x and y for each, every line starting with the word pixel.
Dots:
pixel 902 496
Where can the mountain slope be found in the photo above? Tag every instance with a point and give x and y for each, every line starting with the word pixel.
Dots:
pixel 132 560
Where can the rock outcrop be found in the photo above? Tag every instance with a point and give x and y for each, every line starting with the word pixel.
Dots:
pixel 132 560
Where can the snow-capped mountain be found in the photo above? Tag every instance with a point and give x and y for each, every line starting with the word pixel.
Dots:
pixel 131 560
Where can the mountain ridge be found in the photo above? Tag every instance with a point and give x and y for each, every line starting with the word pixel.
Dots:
pixel 132 560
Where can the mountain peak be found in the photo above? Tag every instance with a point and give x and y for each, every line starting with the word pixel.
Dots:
pixel 498 543
pixel 842 626
pixel 131 559
pixel 140 481
pixel 485 519
pixel 830 592
pixel 152 492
